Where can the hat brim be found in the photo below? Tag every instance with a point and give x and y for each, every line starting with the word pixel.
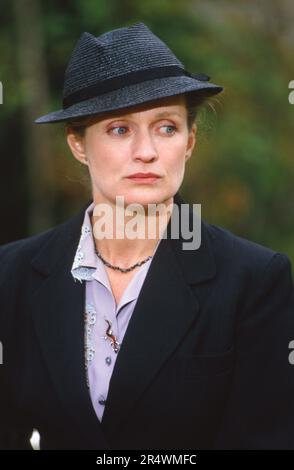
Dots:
pixel 132 95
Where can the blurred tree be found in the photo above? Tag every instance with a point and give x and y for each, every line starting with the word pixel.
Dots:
pixel 34 88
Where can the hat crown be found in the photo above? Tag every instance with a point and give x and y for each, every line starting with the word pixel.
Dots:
pixel 122 68
pixel 115 53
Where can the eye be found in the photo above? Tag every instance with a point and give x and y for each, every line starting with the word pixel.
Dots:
pixel 170 129
pixel 119 130
pixel 122 130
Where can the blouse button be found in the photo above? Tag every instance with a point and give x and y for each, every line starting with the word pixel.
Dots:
pixel 101 401
pixel 108 360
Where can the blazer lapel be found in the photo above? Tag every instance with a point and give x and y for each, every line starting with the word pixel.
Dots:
pixel 58 314
pixel 165 310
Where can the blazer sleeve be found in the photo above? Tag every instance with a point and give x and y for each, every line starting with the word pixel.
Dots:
pixel 14 435
pixel 259 413
pixel 15 431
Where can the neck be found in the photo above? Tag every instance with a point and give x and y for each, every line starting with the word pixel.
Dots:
pixel 132 238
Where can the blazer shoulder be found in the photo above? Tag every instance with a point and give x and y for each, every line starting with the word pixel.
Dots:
pixel 28 245
pixel 14 250
pixel 237 251
pixel 15 256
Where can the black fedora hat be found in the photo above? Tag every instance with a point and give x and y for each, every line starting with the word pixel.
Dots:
pixel 121 68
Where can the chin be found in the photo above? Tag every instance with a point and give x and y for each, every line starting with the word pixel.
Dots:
pixel 145 197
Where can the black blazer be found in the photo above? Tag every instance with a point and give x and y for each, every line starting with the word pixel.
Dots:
pixel 203 365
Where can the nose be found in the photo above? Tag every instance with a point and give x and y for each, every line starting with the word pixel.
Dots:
pixel 144 147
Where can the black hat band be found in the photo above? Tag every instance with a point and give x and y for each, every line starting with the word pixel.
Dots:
pixel 131 78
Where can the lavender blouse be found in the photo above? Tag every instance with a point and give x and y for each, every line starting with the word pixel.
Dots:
pixel 100 305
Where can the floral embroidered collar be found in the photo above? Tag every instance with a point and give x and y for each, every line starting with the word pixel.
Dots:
pixel 85 261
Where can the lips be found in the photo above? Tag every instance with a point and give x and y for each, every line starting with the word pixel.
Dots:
pixel 144 178
pixel 144 175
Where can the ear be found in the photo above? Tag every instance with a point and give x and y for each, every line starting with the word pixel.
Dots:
pixel 76 144
pixel 191 141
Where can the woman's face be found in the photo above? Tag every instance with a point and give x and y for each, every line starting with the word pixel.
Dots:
pixel 146 138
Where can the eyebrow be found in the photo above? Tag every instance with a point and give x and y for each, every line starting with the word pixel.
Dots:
pixel 162 114
pixel 167 113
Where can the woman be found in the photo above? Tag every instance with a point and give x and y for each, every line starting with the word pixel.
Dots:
pixel 142 342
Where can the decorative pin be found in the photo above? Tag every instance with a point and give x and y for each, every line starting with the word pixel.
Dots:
pixel 112 338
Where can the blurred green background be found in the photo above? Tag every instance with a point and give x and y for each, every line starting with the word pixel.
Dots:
pixel 242 170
